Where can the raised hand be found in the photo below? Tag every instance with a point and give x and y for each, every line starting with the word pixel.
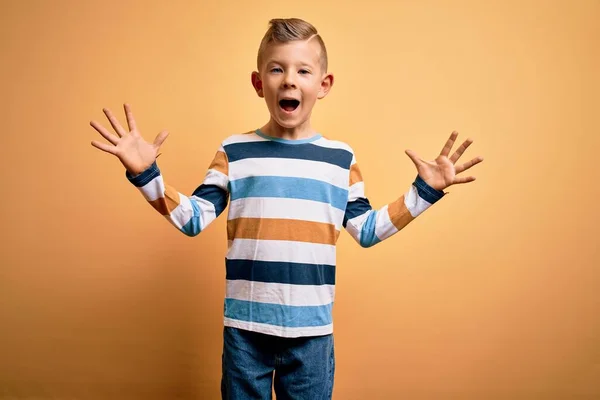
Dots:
pixel 442 172
pixel 130 147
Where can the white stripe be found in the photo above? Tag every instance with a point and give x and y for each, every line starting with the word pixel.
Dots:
pixel 182 213
pixel 281 331
pixel 243 138
pixel 332 144
pixel 207 211
pixel 154 189
pixel 356 191
pixel 415 204
pixel 214 177
pixel 280 293
pixel 290 167
pixel 383 226
pixel 281 250
pixel 267 207
pixel 354 225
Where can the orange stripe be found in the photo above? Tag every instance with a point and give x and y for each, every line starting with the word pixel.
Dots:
pixel 160 206
pixel 220 163
pixel 282 229
pixel 399 214
pixel 355 175
pixel 165 205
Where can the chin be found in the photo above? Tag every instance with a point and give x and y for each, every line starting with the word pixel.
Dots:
pixel 288 123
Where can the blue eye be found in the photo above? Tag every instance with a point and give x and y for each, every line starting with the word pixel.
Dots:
pixel 276 70
pixel 303 72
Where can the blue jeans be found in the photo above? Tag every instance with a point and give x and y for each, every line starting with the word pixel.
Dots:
pixel 298 368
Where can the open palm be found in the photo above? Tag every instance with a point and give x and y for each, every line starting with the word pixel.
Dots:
pixel 130 147
pixel 442 172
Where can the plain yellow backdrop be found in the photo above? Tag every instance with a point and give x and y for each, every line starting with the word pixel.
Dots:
pixel 491 294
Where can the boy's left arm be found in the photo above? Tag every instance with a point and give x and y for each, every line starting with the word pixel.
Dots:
pixel 368 226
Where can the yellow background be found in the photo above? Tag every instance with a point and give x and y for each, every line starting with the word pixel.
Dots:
pixel 491 294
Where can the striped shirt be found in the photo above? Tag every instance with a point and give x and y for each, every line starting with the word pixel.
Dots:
pixel 288 200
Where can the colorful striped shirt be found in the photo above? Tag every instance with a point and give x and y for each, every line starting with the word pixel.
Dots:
pixel 288 200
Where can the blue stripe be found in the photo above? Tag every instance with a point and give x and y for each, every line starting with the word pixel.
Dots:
pixel 280 272
pixel 356 208
pixel 426 192
pixel 279 315
pixel 145 176
pixel 288 141
pixel 290 188
pixel 194 225
pixel 214 194
pixel 271 149
pixel 368 237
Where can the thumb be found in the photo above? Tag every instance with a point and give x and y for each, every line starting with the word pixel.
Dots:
pixel 160 138
pixel 413 156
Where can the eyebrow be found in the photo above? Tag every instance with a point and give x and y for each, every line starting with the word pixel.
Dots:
pixel 302 64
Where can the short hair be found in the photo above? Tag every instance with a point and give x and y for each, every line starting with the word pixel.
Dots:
pixel 283 30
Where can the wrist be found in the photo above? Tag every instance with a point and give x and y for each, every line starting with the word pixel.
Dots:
pixel 427 192
pixel 142 177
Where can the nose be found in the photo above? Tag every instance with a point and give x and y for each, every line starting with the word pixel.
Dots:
pixel 289 80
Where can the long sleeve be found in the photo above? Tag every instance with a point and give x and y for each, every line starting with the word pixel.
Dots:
pixel 190 214
pixel 368 226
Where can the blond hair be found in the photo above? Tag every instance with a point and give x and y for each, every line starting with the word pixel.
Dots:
pixel 283 30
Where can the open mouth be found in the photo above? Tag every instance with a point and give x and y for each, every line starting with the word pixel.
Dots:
pixel 289 105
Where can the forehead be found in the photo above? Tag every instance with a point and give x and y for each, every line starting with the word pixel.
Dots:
pixel 297 51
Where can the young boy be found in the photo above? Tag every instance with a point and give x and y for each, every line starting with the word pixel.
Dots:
pixel 290 190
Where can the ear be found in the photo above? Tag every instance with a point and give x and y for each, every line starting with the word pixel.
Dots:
pixel 326 85
pixel 257 84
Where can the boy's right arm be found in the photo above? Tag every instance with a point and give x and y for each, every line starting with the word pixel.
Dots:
pixel 192 214
pixel 189 214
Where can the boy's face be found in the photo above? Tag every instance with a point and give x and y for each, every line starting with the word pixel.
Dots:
pixel 291 80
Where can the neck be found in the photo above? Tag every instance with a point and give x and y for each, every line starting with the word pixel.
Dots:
pixel 302 131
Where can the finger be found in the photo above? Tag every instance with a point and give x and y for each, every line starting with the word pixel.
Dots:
pixel 160 138
pixel 459 152
pixel 130 120
pixel 104 147
pixel 461 179
pixel 468 165
pixel 448 146
pixel 115 123
pixel 105 134
pixel 413 156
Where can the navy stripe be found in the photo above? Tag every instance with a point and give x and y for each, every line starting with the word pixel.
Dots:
pixel 290 188
pixel 426 192
pixel 280 272
pixel 217 196
pixel 356 208
pixel 279 315
pixel 145 176
pixel 270 149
